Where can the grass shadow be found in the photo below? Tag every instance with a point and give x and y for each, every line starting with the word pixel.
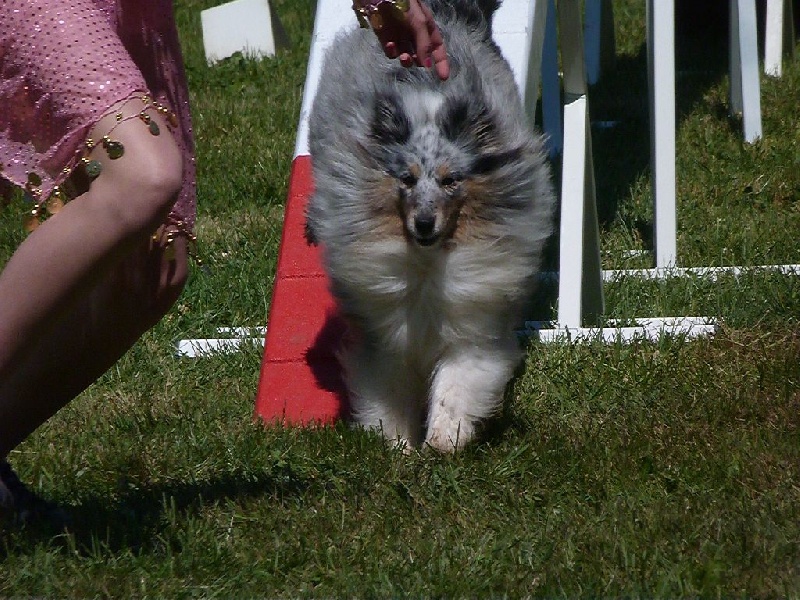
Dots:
pixel 144 517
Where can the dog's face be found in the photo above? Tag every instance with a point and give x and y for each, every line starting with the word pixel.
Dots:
pixel 436 155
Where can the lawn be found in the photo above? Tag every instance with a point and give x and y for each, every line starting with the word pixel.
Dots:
pixel 667 468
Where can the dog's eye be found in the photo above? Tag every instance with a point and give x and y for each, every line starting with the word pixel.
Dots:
pixel 448 181
pixel 408 180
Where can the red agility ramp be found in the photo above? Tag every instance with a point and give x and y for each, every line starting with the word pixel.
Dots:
pixel 300 378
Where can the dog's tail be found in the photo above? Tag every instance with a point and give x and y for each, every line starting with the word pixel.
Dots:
pixel 476 14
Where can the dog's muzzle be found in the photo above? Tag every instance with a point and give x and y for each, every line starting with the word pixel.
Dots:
pixel 424 228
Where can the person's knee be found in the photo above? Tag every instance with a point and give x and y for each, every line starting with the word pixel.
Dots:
pixel 139 188
pixel 156 180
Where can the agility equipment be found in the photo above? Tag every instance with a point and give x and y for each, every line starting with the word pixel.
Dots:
pixel 300 379
pixel 779 37
pixel 246 26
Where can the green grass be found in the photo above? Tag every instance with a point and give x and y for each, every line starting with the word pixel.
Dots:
pixel 650 469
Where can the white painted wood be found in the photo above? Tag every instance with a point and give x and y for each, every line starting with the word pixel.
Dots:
pixel 710 273
pixel 580 296
pixel 744 72
pixel 661 79
pixel 779 36
pixel 246 26
pixel 645 329
pixel 599 38
pixel 330 20
pixel 551 83
pixel 773 38
pixel 518 29
pixel 232 340
pixel 200 348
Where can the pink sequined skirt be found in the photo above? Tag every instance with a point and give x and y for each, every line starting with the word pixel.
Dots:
pixel 64 65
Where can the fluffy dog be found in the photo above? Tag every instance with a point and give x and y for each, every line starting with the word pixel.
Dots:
pixel 433 202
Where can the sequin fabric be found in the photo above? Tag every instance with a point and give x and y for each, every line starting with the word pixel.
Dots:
pixel 64 65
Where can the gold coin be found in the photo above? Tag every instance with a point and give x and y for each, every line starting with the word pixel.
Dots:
pixel 114 149
pixel 54 204
pixel 30 222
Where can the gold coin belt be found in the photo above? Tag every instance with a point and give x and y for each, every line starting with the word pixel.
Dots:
pixel 88 169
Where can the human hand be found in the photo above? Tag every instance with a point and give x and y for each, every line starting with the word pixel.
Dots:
pixel 410 36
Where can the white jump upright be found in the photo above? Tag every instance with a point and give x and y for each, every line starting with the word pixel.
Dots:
pixel 745 86
pixel 661 80
pixel 551 84
pixel 779 38
pixel 580 295
pixel 599 39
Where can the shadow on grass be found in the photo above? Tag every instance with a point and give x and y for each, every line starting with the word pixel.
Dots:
pixel 144 516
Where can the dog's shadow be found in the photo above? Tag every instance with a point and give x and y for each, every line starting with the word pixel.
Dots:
pixel 323 362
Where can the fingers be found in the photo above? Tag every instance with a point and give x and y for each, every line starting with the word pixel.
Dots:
pixel 429 43
pixel 390 49
pixel 414 39
pixel 439 55
pixel 437 49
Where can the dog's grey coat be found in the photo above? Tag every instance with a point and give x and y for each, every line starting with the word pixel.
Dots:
pixel 433 202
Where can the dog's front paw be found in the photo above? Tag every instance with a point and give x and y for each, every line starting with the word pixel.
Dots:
pixel 446 434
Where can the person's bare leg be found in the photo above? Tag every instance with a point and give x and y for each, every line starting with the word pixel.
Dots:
pixel 54 270
pixel 90 338
pixel 68 253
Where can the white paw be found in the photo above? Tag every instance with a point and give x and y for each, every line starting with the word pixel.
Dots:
pixel 399 443
pixel 448 435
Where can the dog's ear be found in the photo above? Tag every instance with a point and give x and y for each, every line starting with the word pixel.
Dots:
pixel 390 124
pixel 467 122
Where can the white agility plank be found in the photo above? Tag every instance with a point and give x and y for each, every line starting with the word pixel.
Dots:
pixel 745 85
pixel 235 338
pixel 246 26
pixel 332 18
pixel 711 273
pixel 518 29
pixel 661 80
pixel 652 329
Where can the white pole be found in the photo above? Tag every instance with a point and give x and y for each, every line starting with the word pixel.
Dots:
pixel 661 79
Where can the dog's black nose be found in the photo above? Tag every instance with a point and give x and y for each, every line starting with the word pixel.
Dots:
pixel 424 224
